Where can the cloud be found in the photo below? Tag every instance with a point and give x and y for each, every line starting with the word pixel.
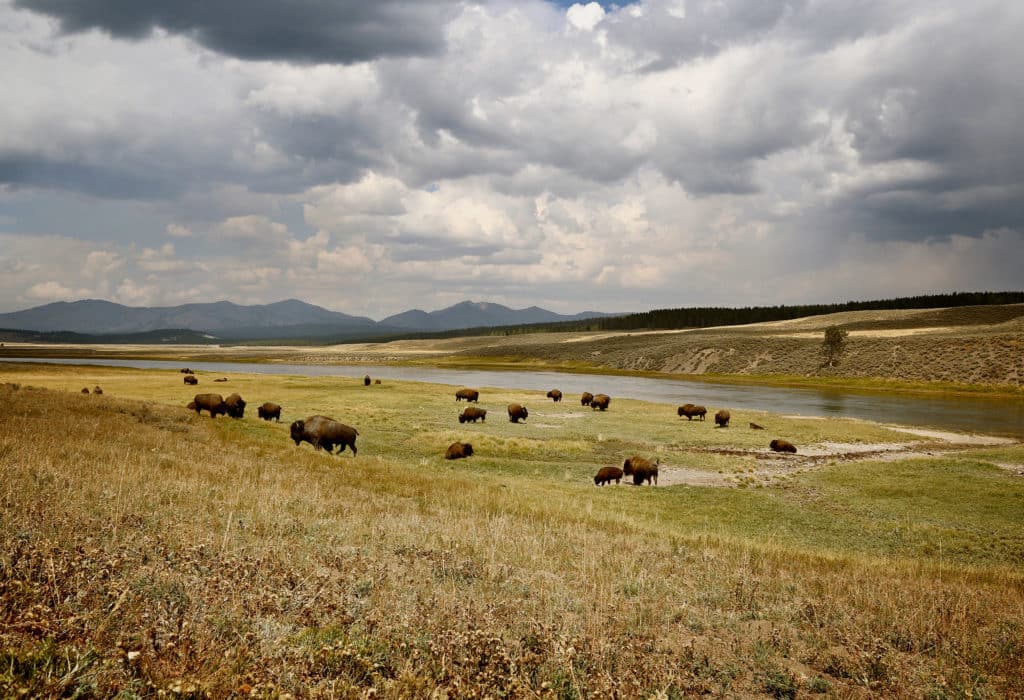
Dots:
pixel 659 153
pixel 585 17
pixel 302 31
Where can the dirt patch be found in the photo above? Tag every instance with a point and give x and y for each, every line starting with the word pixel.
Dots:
pixel 956 438
pixel 675 476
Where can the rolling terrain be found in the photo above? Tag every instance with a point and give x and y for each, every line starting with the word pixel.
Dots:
pixel 145 550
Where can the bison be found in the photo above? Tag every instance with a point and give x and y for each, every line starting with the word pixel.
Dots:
pixel 600 401
pixel 324 432
pixel 458 450
pixel 722 419
pixel 376 381
pixel 606 475
pixel 555 395
pixel 214 403
pixel 782 446
pixel 517 412
pixel 366 380
pixel 641 469
pixel 585 398
pixel 473 414
pixel 755 426
pixel 690 410
pixel 467 394
pixel 236 406
pixel 268 411
pixel 186 370
pixel 85 390
pixel 222 379
pixel 97 390
pixel 190 379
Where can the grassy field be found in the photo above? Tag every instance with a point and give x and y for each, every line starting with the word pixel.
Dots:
pixel 146 550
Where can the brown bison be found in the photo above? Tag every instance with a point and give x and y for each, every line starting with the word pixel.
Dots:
pixel 190 379
pixel 782 446
pixel 97 390
pixel 222 379
pixel 467 394
pixel 641 469
pixel 269 411
pixel 473 414
pixel 324 432
pixel 85 390
pixel 236 406
pixel 600 401
pixel 755 426
pixel 366 380
pixel 555 395
pixel 214 403
pixel 376 381
pixel 585 398
pixel 186 370
pixel 458 450
pixel 517 412
pixel 606 475
pixel 690 410
pixel 722 419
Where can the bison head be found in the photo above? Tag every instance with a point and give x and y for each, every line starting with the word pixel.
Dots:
pixel 467 449
pixel 297 429
pixel 627 467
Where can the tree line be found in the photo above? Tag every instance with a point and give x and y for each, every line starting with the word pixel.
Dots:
pixel 704 317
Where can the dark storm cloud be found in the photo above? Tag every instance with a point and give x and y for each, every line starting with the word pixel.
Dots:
pixel 298 31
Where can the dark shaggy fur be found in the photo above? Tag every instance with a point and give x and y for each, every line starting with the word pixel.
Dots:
pixel 606 475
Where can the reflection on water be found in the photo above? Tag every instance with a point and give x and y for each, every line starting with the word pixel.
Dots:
pixel 971 414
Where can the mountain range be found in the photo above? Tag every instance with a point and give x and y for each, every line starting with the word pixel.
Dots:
pixel 287 319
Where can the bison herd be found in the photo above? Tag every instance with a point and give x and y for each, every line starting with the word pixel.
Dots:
pixel 326 433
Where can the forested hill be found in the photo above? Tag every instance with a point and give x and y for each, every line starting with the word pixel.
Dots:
pixel 705 317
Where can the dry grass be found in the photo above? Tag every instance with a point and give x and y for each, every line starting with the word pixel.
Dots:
pixel 145 550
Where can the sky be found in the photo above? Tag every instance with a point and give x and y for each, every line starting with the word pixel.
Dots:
pixel 376 157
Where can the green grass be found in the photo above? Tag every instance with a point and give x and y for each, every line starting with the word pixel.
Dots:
pixel 506 573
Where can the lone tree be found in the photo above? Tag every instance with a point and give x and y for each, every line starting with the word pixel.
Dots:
pixel 834 345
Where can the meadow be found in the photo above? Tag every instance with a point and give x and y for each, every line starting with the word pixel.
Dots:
pixel 148 551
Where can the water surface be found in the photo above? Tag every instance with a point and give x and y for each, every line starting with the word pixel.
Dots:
pixel 997 416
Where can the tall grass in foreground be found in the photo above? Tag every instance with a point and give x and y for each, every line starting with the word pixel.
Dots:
pixel 143 549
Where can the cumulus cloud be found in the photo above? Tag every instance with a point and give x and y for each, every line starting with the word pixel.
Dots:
pixel 665 152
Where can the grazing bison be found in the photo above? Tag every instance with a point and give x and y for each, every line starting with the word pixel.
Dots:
pixel 97 390
pixel 191 405
pixel 376 381
pixel 214 403
pixel 236 406
pixel 190 379
pixel 222 379
pixel 458 450
pixel 186 370
pixel 366 380
pixel 600 401
pixel 782 446
pixel 517 412
pixel 585 398
pixel 324 432
pixel 467 394
pixel 555 395
pixel 722 419
pixel 690 410
pixel 755 426
pixel 85 390
pixel 473 414
pixel 606 475
pixel 268 411
pixel 641 469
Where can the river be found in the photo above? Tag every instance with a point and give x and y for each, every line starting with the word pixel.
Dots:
pixel 994 416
